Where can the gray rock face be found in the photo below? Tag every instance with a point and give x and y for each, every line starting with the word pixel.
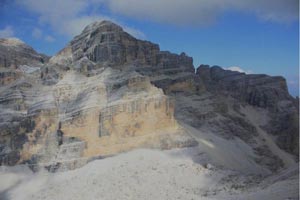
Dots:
pixel 255 89
pixel 106 44
pixel 70 100
pixel 8 76
pixel 284 125
pixel 261 91
pixel 14 52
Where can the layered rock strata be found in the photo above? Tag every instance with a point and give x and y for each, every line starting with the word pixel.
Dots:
pixel 106 44
pixel 14 52
pixel 104 114
pixel 107 92
pixel 263 91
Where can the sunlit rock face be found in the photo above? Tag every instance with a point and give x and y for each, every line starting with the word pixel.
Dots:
pixel 106 44
pixel 108 110
pixel 85 99
pixel 102 114
pixel 19 66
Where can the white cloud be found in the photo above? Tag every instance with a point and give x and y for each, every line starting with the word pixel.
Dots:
pixel 75 25
pixel 49 38
pixel 69 17
pixel 37 33
pixel 134 32
pixel 167 11
pixel 7 32
pixel 60 14
pixel 238 69
pixel 202 12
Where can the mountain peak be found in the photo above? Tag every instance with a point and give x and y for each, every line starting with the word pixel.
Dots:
pixel 104 25
pixel 107 43
pixel 108 23
pixel 11 41
pixel 14 52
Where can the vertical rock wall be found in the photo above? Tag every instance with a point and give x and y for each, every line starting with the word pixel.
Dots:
pixel 107 131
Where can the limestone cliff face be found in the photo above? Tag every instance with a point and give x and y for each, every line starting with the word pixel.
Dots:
pixel 107 113
pixel 17 58
pixel 8 76
pixel 41 114
pixel 106 44
pixel 107 92
pixel 255 89
pixel 14 52
pixel 113 111
pixel 260 91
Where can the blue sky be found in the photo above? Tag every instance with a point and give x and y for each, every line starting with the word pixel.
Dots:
pixel 257 36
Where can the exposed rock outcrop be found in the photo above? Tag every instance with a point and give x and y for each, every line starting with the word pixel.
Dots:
pixel 255 89
pixel 14 52
pixel 107 92
pixel 106 44
pixel 260 91
pixel 110 112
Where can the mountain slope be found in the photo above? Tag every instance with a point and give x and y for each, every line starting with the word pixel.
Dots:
pixel 107 92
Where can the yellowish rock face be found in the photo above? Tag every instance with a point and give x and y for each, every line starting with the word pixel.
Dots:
pixel 108 114
pixel 111 129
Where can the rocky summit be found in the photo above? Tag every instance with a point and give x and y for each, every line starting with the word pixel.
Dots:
pixel 107 92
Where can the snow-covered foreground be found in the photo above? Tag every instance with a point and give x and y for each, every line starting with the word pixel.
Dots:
pixel 146 174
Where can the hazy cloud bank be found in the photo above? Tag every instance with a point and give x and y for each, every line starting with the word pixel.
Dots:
pixel 69 17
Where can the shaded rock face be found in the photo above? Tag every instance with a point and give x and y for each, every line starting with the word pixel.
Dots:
pixel 284 125
pixel 260 91
pixel 172 73
pixel 14 52
pixel 255 89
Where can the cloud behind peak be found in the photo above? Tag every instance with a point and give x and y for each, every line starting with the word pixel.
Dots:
pixel 202 12
pixel 69 17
